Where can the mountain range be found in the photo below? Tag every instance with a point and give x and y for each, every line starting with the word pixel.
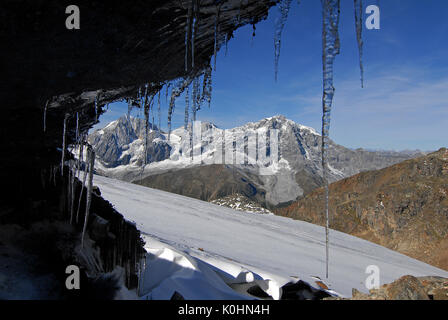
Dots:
pixel 403 207
pixel 120 151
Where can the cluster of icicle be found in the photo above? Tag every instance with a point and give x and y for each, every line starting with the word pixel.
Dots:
pixel 84 163
pixel 197 89
pixel 330 48
pixel 191 83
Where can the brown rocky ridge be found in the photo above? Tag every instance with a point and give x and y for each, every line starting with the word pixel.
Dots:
pixel 403 207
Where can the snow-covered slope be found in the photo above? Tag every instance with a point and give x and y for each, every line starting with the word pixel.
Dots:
pixel 197 248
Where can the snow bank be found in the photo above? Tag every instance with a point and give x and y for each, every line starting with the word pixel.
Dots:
pixel 195 237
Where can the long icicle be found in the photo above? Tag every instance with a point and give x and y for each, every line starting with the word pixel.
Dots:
pixel 194 32
pixel 77 127
pixel 146 106
pixel 83 180
pixel 80 155
pixel 207 86
pixel 129 109
pixel 159 111
pixel 188 34
pixel 91 165
pixel 176 92
pixel 45 116
pixel 96 108
pixel 69 186
pixel 358 24
pixel 215 48
pixel 152 111
pixel 283 6
pixel 196 97
pixel 187 107
pixel 72 189
pixel 330 48
pixel 64 132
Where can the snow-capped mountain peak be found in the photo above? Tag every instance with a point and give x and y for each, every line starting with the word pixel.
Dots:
pixel 275 153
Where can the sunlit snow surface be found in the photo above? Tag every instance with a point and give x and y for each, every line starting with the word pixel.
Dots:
pixel 195 248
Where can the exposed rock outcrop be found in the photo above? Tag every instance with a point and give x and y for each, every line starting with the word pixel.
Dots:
pixel 403 207
pixel 406 288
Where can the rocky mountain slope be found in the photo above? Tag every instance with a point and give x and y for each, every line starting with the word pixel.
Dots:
pixel 240 203
pixel 120 150
pixel 405 288
pixel 403 207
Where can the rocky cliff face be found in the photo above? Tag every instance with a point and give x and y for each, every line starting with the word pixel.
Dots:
pixel 403 207
pixel 120 151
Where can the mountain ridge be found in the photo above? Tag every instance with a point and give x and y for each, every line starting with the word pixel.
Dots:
pixel 120 151
pixel 403 207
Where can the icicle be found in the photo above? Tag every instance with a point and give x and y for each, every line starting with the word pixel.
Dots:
pixel 69 185
pixel 158 110
pixel 129 108
pixel 45 116
pixel 54 175
pixel 253 34
pixel 196 97
pixel 187 107
pixel 152 112
pixel 330 48
pixel 91 165
pixel 96 108
pixel 146 92
pixel 176 92
pixel 63 143
pixel 77 127
pixel 81 154
pixel 215 48
pixel 146 107
pixel 167 91
pixel 226 40
pixel 283 6
pixel 72 190
pixel 207 86
pixel 195 5
pixel 188 34
pixel 83 181
pixel 358 24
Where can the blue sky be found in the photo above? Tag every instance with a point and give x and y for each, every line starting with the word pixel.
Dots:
pixel 404 104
